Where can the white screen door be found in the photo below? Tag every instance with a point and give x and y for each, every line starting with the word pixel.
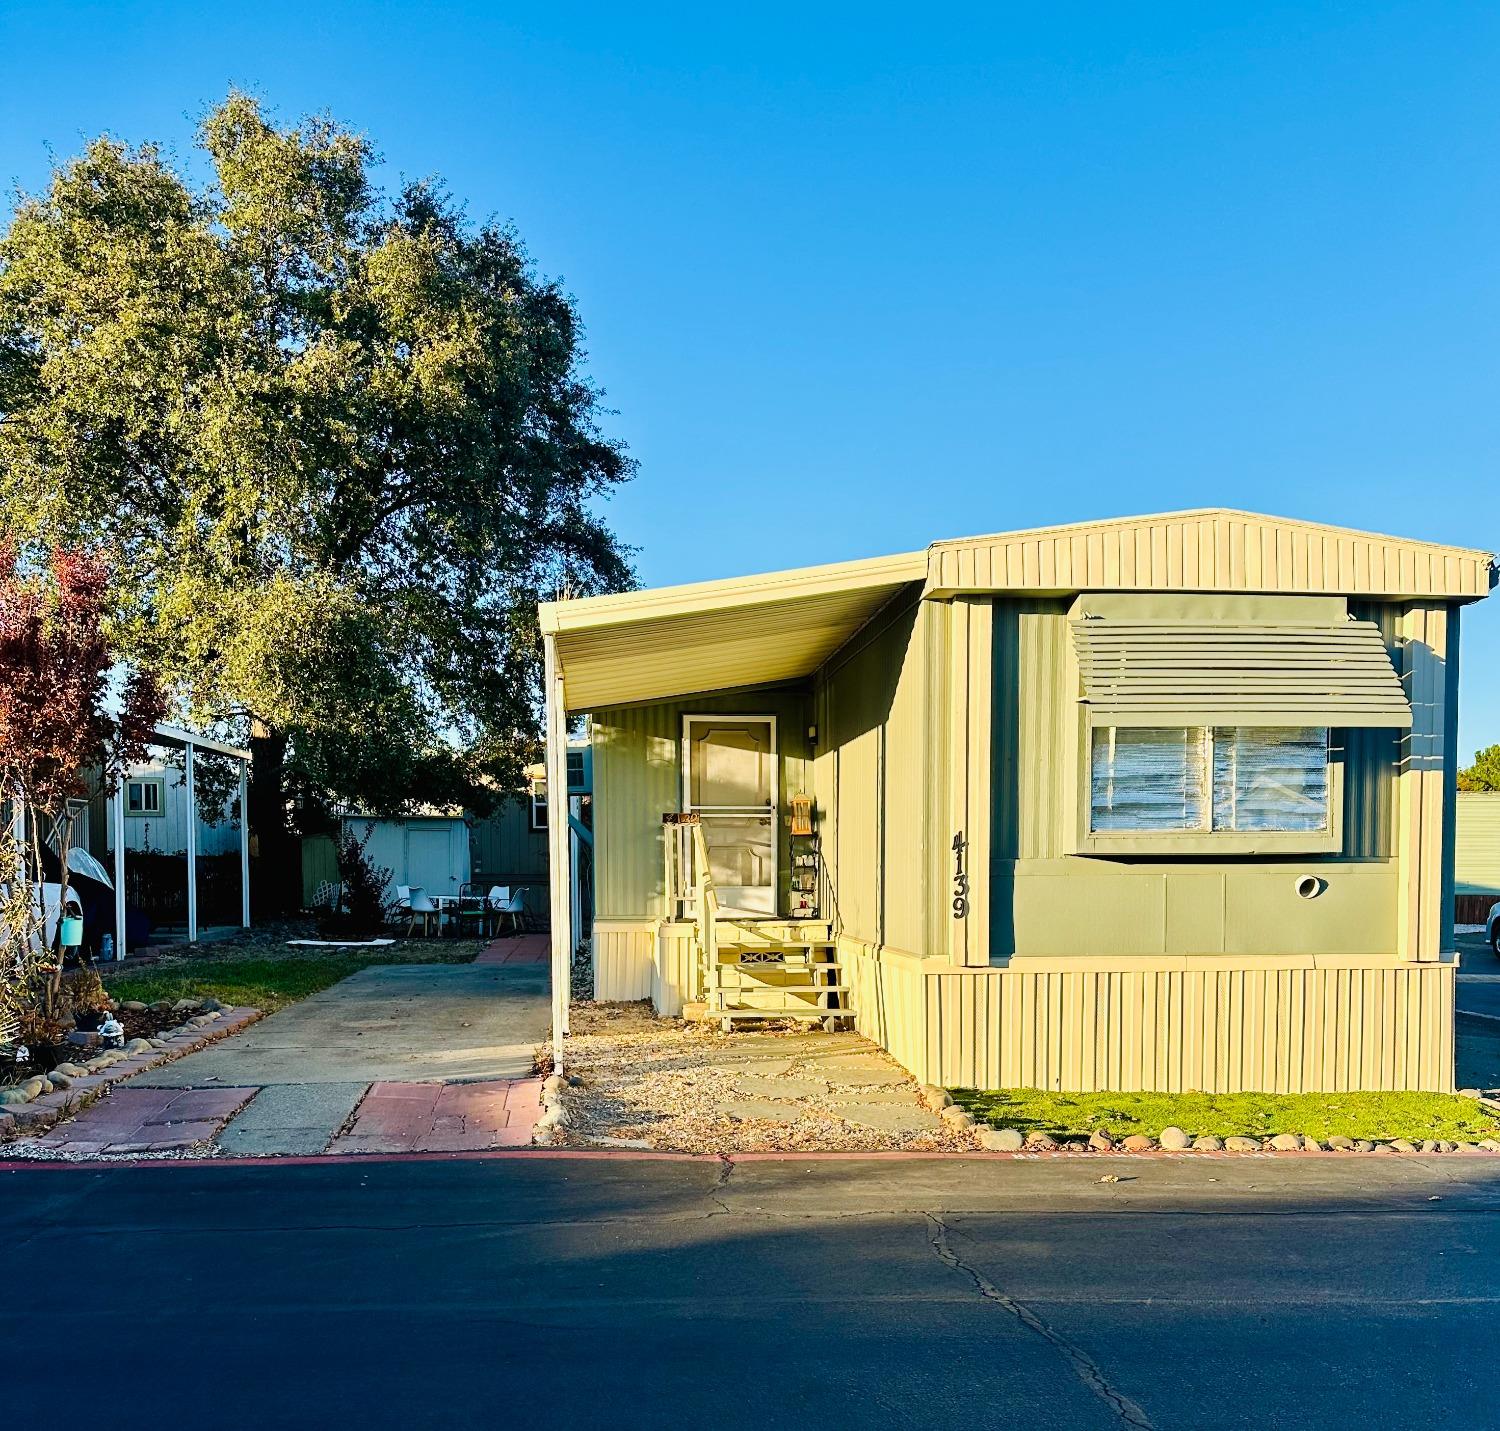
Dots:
pixel 729 782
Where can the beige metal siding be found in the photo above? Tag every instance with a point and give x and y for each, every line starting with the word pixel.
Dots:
pixel 638 778
pixel 1477 867
pixel 1207 1025
pixel 1207 551
pixel 878 778
pixel 623 956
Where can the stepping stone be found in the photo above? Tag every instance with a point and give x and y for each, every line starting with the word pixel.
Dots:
pixel 889 1118
pixel 757 1086
pixel 841 1097
pixel 763 1110
pixel 879 1077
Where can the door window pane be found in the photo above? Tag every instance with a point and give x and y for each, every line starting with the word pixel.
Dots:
pixel 1148 779
pixel 1270 779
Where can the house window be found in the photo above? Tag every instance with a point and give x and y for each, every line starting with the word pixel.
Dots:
pixel 575 770
pixel 143 797
pixel 1202 779
pixel 538 812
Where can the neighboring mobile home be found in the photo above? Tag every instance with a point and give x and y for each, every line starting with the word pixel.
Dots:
pixel 1162 802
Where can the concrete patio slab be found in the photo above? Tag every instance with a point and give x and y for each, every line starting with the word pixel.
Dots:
pixel 291 1119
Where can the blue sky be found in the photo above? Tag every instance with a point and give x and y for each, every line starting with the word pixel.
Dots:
pixel 858 278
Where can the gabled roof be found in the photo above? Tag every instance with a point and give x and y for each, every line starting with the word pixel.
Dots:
pixel 1211 549
pixel 781 626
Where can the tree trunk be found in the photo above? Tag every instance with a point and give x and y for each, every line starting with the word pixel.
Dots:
pixel 276 888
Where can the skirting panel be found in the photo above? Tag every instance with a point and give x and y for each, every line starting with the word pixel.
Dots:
pixel 623 956
pixel 1261 1028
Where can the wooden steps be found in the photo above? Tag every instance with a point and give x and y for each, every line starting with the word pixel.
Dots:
pixel 776 969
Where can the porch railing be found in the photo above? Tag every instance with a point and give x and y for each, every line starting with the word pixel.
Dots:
pixel 690 891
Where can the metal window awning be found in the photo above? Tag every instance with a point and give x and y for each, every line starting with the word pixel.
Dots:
pixel 1165 674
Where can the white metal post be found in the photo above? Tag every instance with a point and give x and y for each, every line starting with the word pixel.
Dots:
pixel 558 842
pixel 117 830
pixel 245 843
pixel 192 846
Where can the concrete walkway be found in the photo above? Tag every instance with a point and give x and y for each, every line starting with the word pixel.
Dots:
pixel 460 1037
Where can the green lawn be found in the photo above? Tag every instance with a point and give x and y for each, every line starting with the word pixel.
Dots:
pixel 1256 1115
pixel 269 978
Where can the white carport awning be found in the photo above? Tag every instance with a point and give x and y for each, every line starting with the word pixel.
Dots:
pixel 717 635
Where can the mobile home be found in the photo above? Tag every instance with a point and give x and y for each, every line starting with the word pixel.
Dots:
pixel 1164 802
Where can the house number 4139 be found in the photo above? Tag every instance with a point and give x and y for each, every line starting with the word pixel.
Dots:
pixel 960 877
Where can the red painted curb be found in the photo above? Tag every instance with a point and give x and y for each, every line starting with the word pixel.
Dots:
pixel 643 1156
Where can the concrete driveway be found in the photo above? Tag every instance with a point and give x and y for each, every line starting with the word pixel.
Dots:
pixel 411 1057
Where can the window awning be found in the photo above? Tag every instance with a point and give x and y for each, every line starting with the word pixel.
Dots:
pixel 1164 674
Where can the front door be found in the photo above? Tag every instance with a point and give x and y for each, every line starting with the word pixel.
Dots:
pixel 729 780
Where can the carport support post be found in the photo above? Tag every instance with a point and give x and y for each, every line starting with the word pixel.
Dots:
pixel 117 829
pixel 558 842
pixel 245 843
pixel 192 844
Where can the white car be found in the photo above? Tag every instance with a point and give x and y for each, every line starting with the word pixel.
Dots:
pixel 1492 928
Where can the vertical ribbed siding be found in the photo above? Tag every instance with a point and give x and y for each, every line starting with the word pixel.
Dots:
pixel 638 778
pixel 506 848
pixel 1260 1028
pixel 1200 551
pixel 623 961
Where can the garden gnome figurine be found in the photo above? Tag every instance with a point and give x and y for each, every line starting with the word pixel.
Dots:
pixel 112 1032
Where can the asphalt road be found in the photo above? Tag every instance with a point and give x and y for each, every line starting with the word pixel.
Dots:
pixel 540 1291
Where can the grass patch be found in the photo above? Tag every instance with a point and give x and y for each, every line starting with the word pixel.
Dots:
pixel 1256 1115
pixel 270 981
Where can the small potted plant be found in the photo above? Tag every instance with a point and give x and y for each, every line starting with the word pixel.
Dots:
pixel 86 994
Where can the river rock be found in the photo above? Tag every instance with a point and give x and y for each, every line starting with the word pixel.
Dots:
pixel 1286 1142
pixel 936 1098
pixel 1174 1139
pixel 1470 1093
pixel 59 1080
pixel 12 1096
pixel 1430 1145
pixel 1402 1145
pixel 1364 1145
pixel 133 1006
pixel 186 1006
pixel 1208 1143
pixel 138 1045
pixel 1101 1143
pixel 1001 1140
pixel 1040 1142
pixel 1238 1144
pixel 1340 1142
pixel 1490 1145
pixel 71 1069
pixel 1138 1143
pixel 34 1088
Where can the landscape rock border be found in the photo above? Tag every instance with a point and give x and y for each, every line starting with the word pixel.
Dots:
pixel 1175 1141
pixel 71 1087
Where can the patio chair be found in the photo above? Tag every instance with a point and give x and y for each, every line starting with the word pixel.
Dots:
pixel 473 908
pixel 420 907
pixel 508 903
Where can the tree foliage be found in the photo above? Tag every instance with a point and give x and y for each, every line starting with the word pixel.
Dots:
pixel 1484 773
pixel 339 443
pixel 60 721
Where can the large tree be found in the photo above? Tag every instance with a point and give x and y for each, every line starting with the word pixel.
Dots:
pixel 337 445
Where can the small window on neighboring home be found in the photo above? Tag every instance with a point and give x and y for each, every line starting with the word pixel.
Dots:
pixel 538 820
pixel 143 797
pixel 575 770
pixel 1241 779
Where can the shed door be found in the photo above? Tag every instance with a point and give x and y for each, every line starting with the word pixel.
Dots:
pixel 731 785
pixel 429 859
